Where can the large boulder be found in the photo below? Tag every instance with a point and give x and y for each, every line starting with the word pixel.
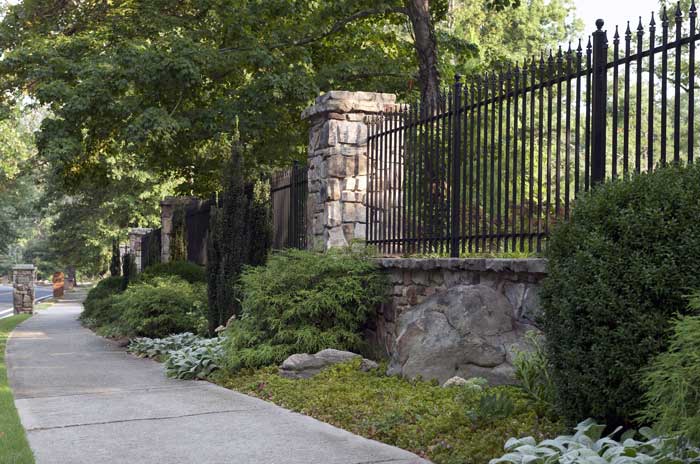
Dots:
pixel 466 331
pixel 303 365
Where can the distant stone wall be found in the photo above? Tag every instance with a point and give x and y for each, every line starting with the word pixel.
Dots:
pixel 338 165
pixel 135 236
pixel 515 284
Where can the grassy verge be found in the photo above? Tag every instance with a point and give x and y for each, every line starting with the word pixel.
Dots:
pixel 14 447
pixel 446 425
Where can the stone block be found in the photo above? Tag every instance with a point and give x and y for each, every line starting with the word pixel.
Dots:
pixel 362 165
pixel 332 190
pixel 420 278
pixel 335 237
pixel 361 183
pixel 352 133
pixel 348 196
pixel 360 230
pixel 333 214
pixel 349 184
pixel 349 212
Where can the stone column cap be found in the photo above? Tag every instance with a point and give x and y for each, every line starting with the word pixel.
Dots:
pixel 342 101
pixel 140 230
pixel 23 267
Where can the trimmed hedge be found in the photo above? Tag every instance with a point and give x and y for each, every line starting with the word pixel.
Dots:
pixel 619 271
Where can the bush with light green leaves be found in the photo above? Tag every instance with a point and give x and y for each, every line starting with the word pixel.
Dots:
pixel 587 446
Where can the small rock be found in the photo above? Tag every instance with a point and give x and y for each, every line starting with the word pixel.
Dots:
pixel 221 328
pixel 303 365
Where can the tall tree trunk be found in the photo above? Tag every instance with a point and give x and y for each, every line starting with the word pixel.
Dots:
pixel 426 49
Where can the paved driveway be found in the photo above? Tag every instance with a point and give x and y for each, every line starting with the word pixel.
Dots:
pixel 83 400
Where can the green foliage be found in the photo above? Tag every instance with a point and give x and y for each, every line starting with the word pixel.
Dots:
pixel 491 408
pixel 104 288
pixel 186 355
pixel 190 272
pixel 145 347
pixel 533 372
pixel 617 274
pixel 303 302
pixel 672 381
pixel 161 306
pixel 421 417
pixel 587 446
pixel 128 271
pixel 198 360
pixel 240 235
pixel 98 309
pixel 115 263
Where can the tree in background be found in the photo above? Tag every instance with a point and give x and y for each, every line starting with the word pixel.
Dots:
pixel 240 235
pixel 115 264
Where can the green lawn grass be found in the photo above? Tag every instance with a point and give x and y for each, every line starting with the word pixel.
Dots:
pixel 14 447
pixel 455 425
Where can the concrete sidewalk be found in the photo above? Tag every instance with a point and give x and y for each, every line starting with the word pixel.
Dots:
pixel 84 400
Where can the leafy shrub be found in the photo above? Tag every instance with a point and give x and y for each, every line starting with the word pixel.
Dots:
pixel 303 302
pixel 186 355
pixel 586 446
pixel 98 309
pixel 104 288
pixel 162 306
pixel 195 361
pixel 672 381
pixel 492 407
pixel 190 272
pixel 618 271
pixel 532 371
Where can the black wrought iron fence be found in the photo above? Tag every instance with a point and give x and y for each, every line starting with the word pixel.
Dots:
pixel 197 219
pixel 288 191
pixel 496 162
pixel 150 248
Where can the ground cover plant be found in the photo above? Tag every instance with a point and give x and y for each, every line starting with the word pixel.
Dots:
pixel 186 356
pixel 14 447
pixel 618 273
pixel 672 381
pixel 454 425
pixel 588 446
pixel 303 302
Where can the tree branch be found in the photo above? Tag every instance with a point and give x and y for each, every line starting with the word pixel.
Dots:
pixel 336 27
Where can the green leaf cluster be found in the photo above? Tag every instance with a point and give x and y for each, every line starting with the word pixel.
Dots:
pixel 303 302
pixel 618 273
pixel 672 381
pixel 588 446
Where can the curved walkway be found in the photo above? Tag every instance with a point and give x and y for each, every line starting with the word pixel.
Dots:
pixel 84 400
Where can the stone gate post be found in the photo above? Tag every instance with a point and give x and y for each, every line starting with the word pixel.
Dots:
pixel 336 212
pixel 135 236
pixel 23 277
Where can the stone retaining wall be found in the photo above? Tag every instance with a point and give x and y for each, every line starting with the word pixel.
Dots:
pixel 413 280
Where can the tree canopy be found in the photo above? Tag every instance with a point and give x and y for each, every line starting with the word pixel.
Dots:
pixel 143 94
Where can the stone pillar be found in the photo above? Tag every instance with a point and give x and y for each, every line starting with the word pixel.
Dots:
pixel 23 277
pixel 167 210
pixel 135 236
pixel 337 155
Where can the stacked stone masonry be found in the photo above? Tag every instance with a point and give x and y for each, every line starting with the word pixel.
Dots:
pixel 413 280
pixel 23 277
pixel 338 165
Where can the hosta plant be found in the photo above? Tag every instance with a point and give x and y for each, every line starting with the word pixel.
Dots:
pixel 196 361
pixel 586 446
pixel 186 355
pixel 145 347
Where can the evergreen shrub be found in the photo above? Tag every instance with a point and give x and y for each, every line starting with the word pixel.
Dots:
pixel 303 302
pixel 190 272
pixel 97 304
pixel 618 273
pixel 672 382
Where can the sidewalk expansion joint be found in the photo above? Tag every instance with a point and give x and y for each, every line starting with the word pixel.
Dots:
pixel 142 419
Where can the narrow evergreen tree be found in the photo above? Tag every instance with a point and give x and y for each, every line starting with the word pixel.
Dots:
pixel 126 271
pixel 115 264
pixel 240 234
pixel 178 240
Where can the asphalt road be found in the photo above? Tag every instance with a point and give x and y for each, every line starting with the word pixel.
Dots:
pixel 6 298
